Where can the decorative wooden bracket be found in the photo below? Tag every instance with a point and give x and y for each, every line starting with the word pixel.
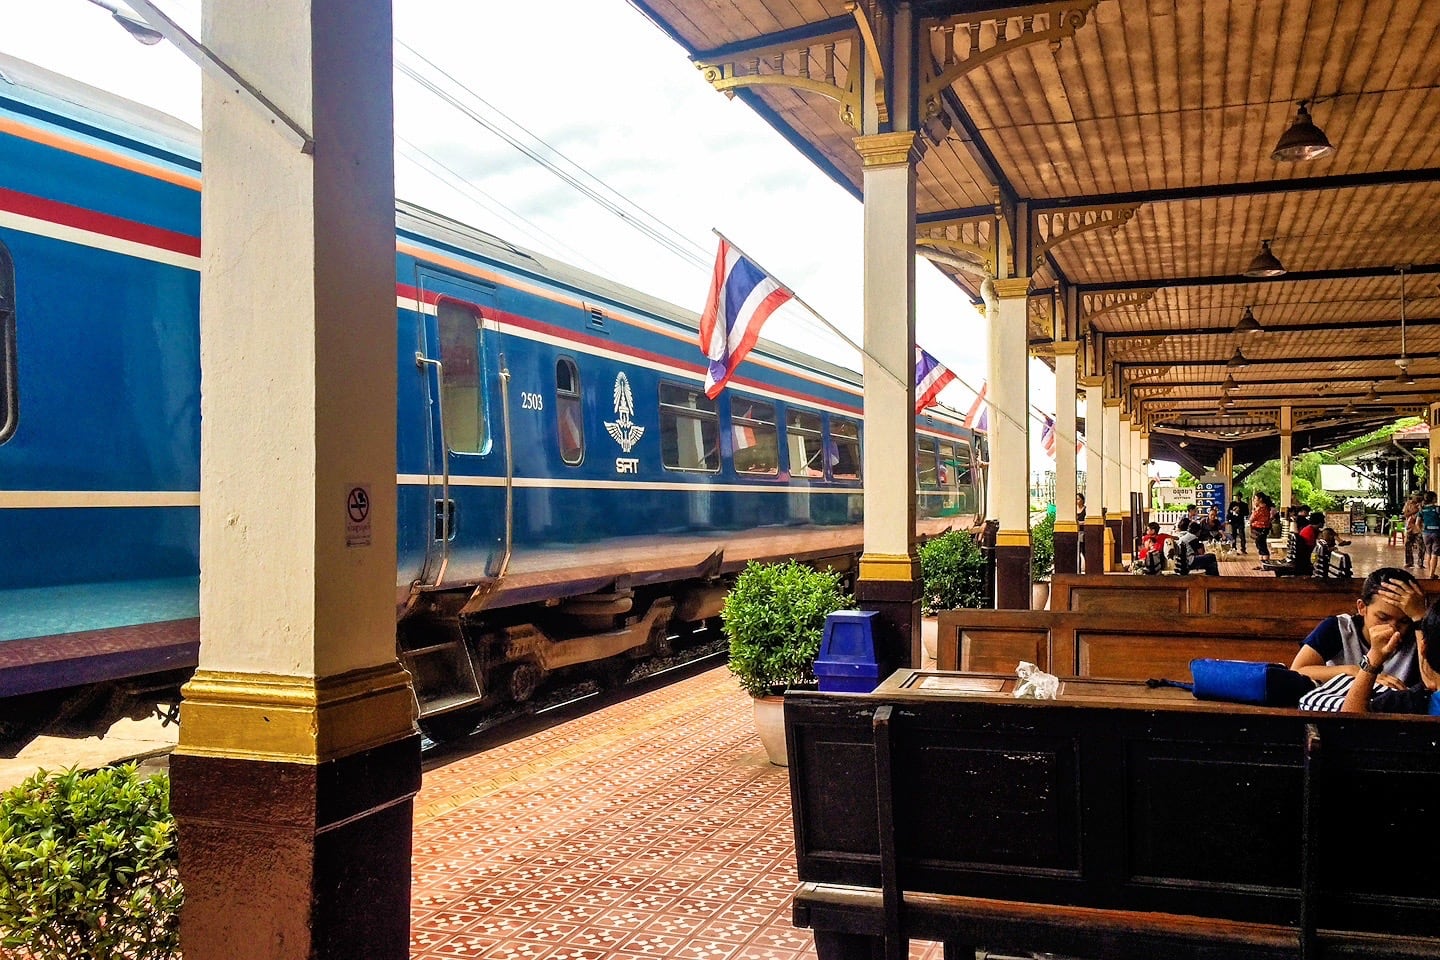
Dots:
pixel 1097 305
pixel 1136 374
pixel 964 42
pixel 1137 346
pixel 1049 228
pixel 827 65
pixel 971 239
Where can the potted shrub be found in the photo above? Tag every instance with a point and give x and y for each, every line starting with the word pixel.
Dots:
pixel 89 867
pixel 774 619
pixel 1042 560
pixel 952 575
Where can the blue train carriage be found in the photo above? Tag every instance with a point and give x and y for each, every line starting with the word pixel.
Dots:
pixel 568 495
pixel 573 409
pixel 99 391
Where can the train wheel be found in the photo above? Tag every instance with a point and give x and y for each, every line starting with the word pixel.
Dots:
pixel 524 681
pixel 449 726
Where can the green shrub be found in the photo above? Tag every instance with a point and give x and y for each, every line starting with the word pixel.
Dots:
pixel 89 867
pixel 952 572
pixel 775 619
pixel 1042 548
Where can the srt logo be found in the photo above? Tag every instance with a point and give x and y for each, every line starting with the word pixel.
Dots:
pixel 626 431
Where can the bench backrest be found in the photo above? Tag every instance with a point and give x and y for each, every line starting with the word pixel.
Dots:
pixel 1303 598
pixel 1237 814
pixel 1109 645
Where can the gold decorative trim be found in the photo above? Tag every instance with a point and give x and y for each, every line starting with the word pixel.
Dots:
pixel 1112 401
pixel 1053 227
pixel 1012 287
pixel 1066 526
pixel 289 719
pixel 1089 382
pixel 888 149
pixel 817 65
pixel 897 567
pixel 1067 348
pixel 1012 538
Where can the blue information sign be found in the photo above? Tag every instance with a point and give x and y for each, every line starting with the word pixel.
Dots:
pixel 1210 494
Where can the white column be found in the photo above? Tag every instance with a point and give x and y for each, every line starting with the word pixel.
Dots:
pixel 1009 396
pixel 1287 423
pixel 1137 465
pixel 1065 481
pixel 1145 466
pixel 1094 448
pixel 889 299
pixel 1113 469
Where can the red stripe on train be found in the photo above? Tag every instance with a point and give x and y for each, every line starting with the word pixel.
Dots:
pixel 79 218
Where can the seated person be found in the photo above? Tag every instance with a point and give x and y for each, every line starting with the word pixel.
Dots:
pixel 1152 549
pixel 1329 563
pixel 1389 598
pixel 1300 547
pixel 1190 555
pixel 1417 697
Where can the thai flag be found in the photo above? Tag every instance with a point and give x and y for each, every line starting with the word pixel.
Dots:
pixel 978 418
pixel 930 378
pixel 1047 437
pixel 742 297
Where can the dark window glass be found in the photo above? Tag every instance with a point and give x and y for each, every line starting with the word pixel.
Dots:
pixel 845 449
pixel 962 465
pixel 807 450
pixel 925 469
pixel 461 398
pixel 9 382
pixel 567 411
pixel 756 439
pixel 689 429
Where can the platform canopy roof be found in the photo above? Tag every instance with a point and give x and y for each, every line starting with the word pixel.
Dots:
pixel 1120 153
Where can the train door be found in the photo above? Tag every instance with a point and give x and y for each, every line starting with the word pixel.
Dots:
pixel 460 364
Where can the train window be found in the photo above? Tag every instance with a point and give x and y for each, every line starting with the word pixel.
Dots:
pixel 925 468
pixel 962 465
pixel 757 444
pixel 844 449
pixel 689 428
pixel 461 398
pixel 807 451
pixel 567 411
pixel 947 475
pixel 9 383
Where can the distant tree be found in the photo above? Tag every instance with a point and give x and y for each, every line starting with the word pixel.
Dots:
pixel 1185 479
pixel 1349 446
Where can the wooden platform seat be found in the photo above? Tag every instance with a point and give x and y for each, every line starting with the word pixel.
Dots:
pixel 1304 598
pixel 1115 823
pixel 1113 645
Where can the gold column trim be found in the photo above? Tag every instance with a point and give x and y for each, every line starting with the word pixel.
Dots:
pixel 1111 401
pixel 1012 287
pixel 1012 538
pixel 1067 348
pixel 888 149
pixel 1066 526
pixel 898 567
pixel 1089 382
pixel 288 719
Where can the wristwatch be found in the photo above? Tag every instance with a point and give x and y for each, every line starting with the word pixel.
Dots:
pixel 1367 667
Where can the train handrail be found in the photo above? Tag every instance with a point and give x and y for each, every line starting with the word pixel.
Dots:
pixel 509 471
pixel 423 361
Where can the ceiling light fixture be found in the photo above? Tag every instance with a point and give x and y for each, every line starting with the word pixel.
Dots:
pixel 1238 359
pixel 1248 323
pixel 1404 362
pixel 1302 141
pixel 1348 410
pixel 1371 393
pixel 1265 264
pixel 1229 385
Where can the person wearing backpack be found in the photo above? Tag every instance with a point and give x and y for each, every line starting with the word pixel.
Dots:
pixel 1430 528
pixel 1414 536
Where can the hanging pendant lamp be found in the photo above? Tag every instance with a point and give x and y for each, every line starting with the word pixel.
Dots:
pixel 1238 359
pixel 1403 363
pixel 1303 141
pixel 1248 323
pixel 1265 264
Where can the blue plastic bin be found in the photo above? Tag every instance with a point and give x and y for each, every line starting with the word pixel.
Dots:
pixel 847 661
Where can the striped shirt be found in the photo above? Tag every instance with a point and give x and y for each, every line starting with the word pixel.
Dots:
pixel 1329 697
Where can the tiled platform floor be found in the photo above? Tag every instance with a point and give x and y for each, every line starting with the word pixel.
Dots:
pixel 656 828
pixel 1367 552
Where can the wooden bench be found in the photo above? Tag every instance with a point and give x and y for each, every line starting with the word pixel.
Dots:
pixel 1116 822
pixel 1299 597
pixel 1109 644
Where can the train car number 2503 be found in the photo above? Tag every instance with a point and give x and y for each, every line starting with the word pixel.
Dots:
pixel 531 401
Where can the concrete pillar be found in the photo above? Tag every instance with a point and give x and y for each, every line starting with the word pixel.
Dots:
pixel 298 756
pixel 1127 484
pixel 1433 467
pixel 889 579
pixel 1114 481
pixel 1067 530
pixel 1095 472
pixel 1144 437
pixel 1287 424
pixel 1009 438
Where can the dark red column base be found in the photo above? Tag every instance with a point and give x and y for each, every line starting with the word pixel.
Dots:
pixel 1095 548
pixel 291 860
pixel 1012 578
pixel 898 635
pixel 1113 523
pixel 1067 552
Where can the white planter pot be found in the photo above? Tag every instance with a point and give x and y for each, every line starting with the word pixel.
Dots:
pixel 1040 595
pixel 929 639
pixel 770 721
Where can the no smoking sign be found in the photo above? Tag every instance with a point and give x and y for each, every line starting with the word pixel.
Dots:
pixel 357 515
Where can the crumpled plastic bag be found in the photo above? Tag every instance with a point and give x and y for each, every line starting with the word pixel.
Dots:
pixel 1036 684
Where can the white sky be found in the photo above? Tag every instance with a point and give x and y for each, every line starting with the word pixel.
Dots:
pixel 605 87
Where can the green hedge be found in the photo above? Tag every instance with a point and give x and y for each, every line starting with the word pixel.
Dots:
pixel 952 571
pixel 89 867
pixel 775 619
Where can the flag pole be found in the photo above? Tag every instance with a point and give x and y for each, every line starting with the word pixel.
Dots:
pixel 816 314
